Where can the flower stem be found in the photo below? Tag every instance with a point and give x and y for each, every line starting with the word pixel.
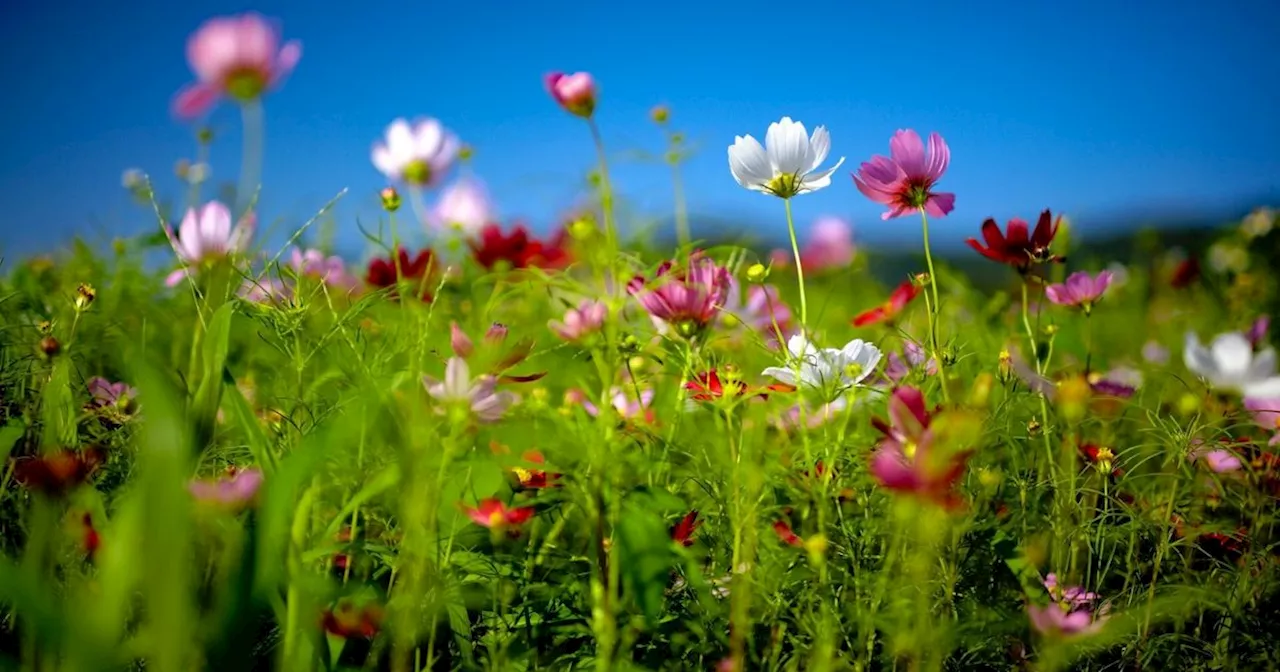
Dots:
pixel 935 309
pixel 250 156
pixel 683 237
pixel 795 249
pixel 606 194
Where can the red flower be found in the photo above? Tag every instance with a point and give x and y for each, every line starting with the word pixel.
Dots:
pixel 534 478
pixel 518 249
pixel 682 533
pixel 417 271
pixel 1186 273
pixel 708 387
pixel 1015 247
pixel 492 513
pixel 91 541
pixel 887 312
pixel 786 534
pixel 58 472
pixel 349 621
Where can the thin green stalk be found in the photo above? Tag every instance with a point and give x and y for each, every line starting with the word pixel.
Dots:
pixel 795 249
pixel 683 236
pixel 253 132
pixel 935 310
pixel 606 195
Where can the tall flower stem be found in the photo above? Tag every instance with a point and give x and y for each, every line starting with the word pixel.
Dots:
pixel 795 249
pixel 606 194
pixel 683 237
pixel 252 130
pixel 935 308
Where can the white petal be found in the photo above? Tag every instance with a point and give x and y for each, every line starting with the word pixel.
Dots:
pixel 215 225
pixel 428 136
pixel 1264 389
pixel 819 147
pixel 386 162
pixel 749 163
pixel 816 181
pixel 786 376
pixel 787 144
pixel 1198 359
pixel 400 141
pixel 798 345
pixel 1263 366
pixel 1232 353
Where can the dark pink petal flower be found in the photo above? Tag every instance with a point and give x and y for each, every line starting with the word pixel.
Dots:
pixel 1018 246
pixel 1081 290
pixel 688 299
pixel 238 488
pixel 905 180
pixel 576 93
pixel 492 513
pixel 903 460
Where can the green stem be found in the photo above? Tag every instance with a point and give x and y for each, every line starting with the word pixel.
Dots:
pixel 683 237
pixel 935 309
pixel 795 249
pixel 250 156
pixel 606 195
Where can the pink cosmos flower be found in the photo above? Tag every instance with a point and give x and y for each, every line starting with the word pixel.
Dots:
pixel 106 393
pixel 237 488
pixel 1069 611
pixel 576 93
pixel 913 357
pixel 1080 290
pixel 328 270
pixel 492 513
pixel 418 154
pixel 580 322
pixel 626 406
pixel 1218 460
pixel 904 461
pixel 236 56
pixel 207 236
pixel 463 206
pixel 1266 414
pixel 486 402
pixel 759 311
pixel 830 245
pixel 688 299
pixel 1258 332
pixel 905 180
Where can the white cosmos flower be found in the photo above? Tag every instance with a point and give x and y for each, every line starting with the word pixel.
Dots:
pixel 788 163
pixel 419 154
pixel 1229 363
pixel 464 205
pixel 827 367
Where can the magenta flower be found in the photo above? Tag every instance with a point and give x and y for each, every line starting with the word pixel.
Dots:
pixel 1080 290
pixel 206 237
pixel 904 460
pixel 759 311
pixel 580 322
pixel 1258 331
pixel 904 181
pixel 1218 460
pixel 237 56
pixel 830 245
pixel 480 396
pixel 576 93
pixel 1069 612
pixel 238 488
pixel 913 357
pixel 688 299
pixel 106 393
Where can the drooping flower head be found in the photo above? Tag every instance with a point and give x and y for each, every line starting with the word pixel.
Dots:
pixel 463 206
pixel 207 236
pixel 237 56
pixel 580 322
pixel 518 249
pixel 904 180
pixel 237 488
pixel 830 245
pixel 890 309
pixel 575 92
pixel 417 272
pixel 686 298
pixel 419 154
pixel 1229 363
pixel 1081 290
pixel 1018 246
pixel 787 164
pixel 828 369
pixel 904 460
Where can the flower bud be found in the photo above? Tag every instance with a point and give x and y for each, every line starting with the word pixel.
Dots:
pixel 466 153
pixel 576 92
pixel 582 228
pixel 757 273
pixel 390 199
pixel 660 114
pixel 85 294
pixel 49 346
pixel 205 135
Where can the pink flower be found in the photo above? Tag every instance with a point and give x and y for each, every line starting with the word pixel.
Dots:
pixel 1155 353
pixel 480 396
pixel 493 514
pixel 1080 290
pixel 1069 611
pixel 237 56
pixel 237 488
pixel 628 408
pixel 830 245
pixel 1266 412
pixel 1218 460
pixel 1258 332
pixel 904 461
pixel 687 299
pixel 913 357
pixel 106 393
pixel 904 182
pixel 328 270
pixel 575 93
pixel 580 322
pixel 464 206
pixel 207 236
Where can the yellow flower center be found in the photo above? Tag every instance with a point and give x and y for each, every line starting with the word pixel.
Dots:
pixel 909 449
pixel 417 172
pixel 245 85
pixel 523 474
pixel 784 186
pixel 496 519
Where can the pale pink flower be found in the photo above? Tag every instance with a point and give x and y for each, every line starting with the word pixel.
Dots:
pixel 237 488
pixel 580 322
pixel 904 180
pixel 486 402
pixel 686 298
pixel 1218 460
pixel 207 236
pixel 463 206
pixel 1081 290
pixel 576 92
pixel 1069 612
pixel 758 311
pixel 625 405
pixel 830 245
pixel 418 154
pixel 237 56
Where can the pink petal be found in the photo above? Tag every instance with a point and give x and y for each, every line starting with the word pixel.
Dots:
pixel 195 100
pixel 908 153
pixel 939 157
pixel 940 205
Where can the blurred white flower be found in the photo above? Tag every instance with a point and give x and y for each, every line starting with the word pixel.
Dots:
pixel 787 164
pixel 1259 223
pixel 419 155
pixel 1229 363
pixel 1226 257
pixel 198 173
pixel 464 206
pixel 1119 274
pixel 827 367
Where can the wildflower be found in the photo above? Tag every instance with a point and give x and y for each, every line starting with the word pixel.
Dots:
pixel 843 368
pixel 575 92
pixel 896 369
pixel 109 396
pixel 1101 456
pixel 390 199
pixel 1266 411
pixel 530 477
pixel 416 271
pixel 1185 274
pixel 1015 247
pixel 207 236
pixel 814 415
pixel 1155 353
pixel 1258 331
pixel 330 271
pixel 85 295
pixel 235 489
pixel 1259 223
pixel 418 155
pixel 890 309
pixel 1080 290
pixel 624 405
pixel 1229 363
pixel 788 163
pixel 580 322
pixel 1119 383
pixel 463 206
pixel 761 310
pixel 1069 611
pixel 349 621
pixel 708 386
pixel 58 472
pixel 1218 460
pixel 480 396
pixel 682 533
pixel 493 514
pixel 494 337
pixel 830 245
pixel 237 56
pixel 904 181
pixel 687 299
pixel 904 460
pixel 518 249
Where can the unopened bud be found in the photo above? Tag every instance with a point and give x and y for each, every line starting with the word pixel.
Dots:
pixel 920 279
pixel 1033 427
pixel 660 114
pixel 466 153
pixel 49 346
pixel 1105 457
pixel 582 228
pixel 1188 404
pixel 757 273
pixel 44 327
pixel 205 135
pixel 182 168
pixel 630 344
pixel 390 199
pixel 85 294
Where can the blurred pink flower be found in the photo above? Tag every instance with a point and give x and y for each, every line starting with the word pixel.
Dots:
pixel 575 93
pixel 758 310
pixel 236 56
pixel 686 298
pixel 624 405
pixel 492 513
pixel 1081 290
pixel 913 357
pixel 904 181
pixel 330 270
pixel 237 488
pixel 1155 353
pixel 463 206
pixel 486 402
pixel 106 393
pixel 1258 332
pixel 207 236
pixel 830 245
pixel 1218 460
pixel 580 322
pixel 1069 612
pixel 1266 412
pixel 904 460
pixel 418 154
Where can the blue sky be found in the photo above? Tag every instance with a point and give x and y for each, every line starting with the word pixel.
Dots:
pixel 1090 107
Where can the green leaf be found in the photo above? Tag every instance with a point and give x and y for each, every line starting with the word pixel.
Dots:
pixel 9 435
pixel 645 554
pixel 243 416
pixel 214 357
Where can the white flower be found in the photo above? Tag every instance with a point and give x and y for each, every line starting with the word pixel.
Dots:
pixel 486 402
pixel 418 155
pixel 786 165
pixel 1229 363
pixel 842 368
pixel 463 205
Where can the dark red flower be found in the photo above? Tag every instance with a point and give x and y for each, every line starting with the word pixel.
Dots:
pixel 518 249
pixel 1186 273
pixel 709 386
pixel 534 478
pixel 417 271
pixel 1015 247
pixel 889 310
pixel 58 472
pixel 91 541
pixel 349 621
pixel 682 533
pixel 786 534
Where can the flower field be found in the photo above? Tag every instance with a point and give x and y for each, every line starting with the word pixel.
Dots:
pixel 586 450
